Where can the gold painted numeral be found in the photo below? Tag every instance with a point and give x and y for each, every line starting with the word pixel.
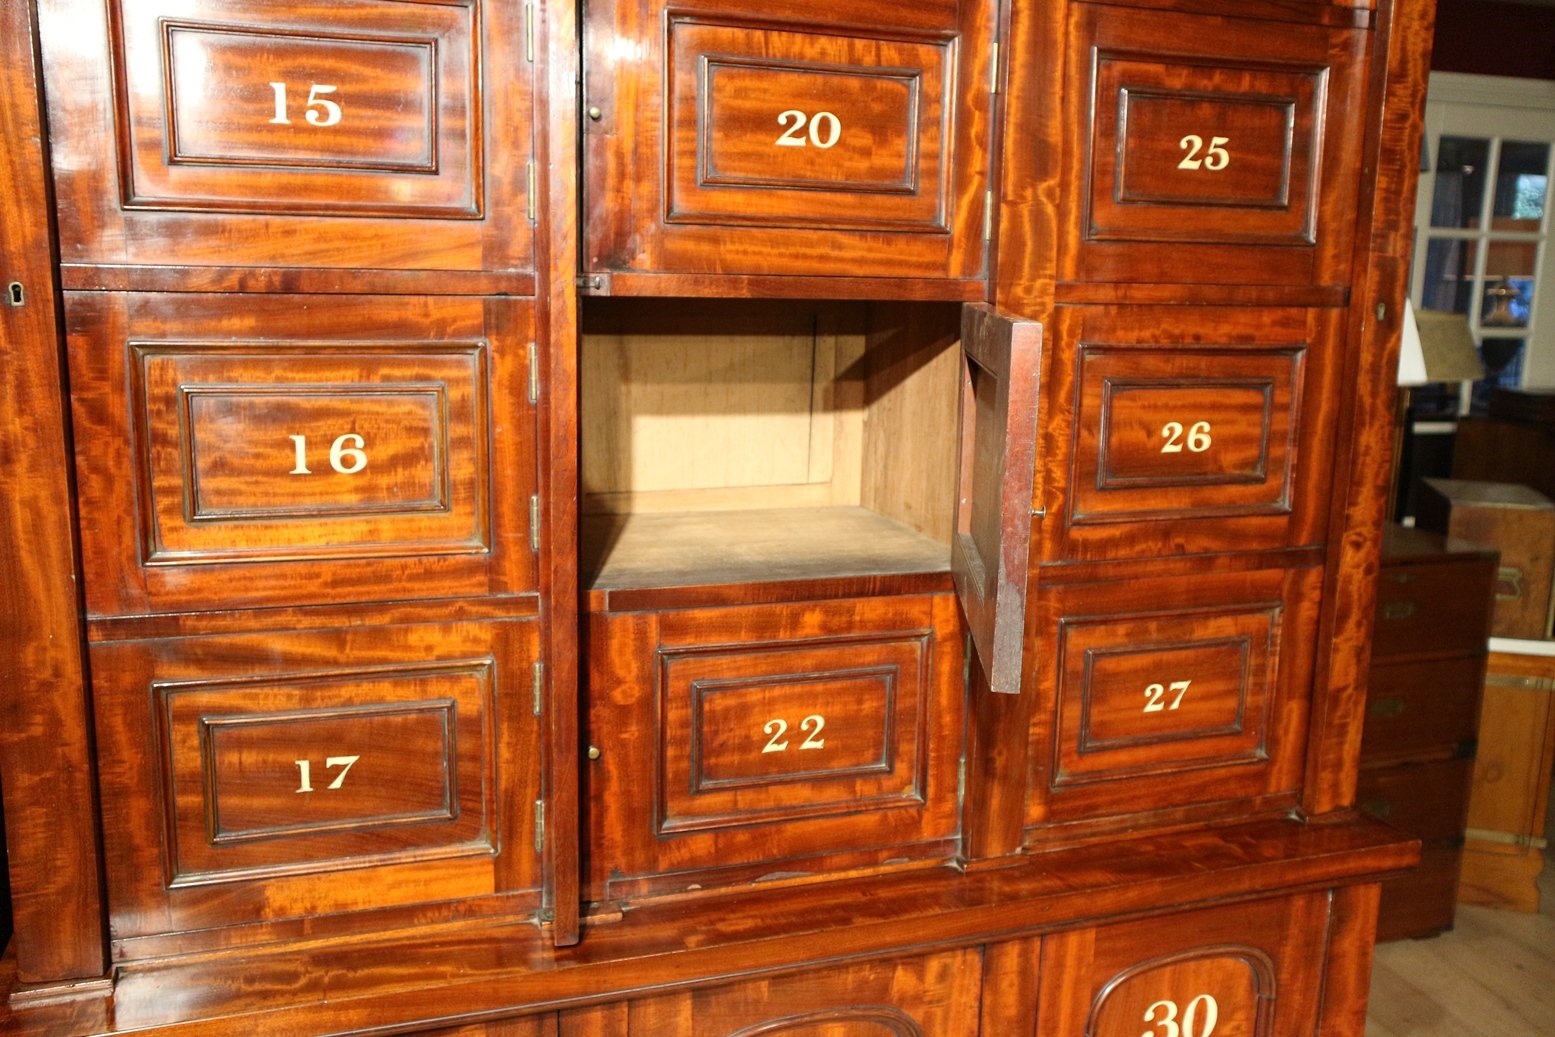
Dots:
pixel 1213 159
pixel 1156 694
pixel 305 771
pixel 346 455
pixel 1198 438
pixel 320 110
pixel 1198 1018
pixel 824 129
pixel 811 725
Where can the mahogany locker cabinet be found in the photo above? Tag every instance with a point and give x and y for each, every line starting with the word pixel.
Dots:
pixel 708 519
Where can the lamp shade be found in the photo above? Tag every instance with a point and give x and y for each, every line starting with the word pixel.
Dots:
pixel 1437 347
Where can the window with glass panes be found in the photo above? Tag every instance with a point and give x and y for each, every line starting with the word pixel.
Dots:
pixel 1480 241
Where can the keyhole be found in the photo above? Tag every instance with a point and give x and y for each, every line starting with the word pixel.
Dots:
pixel 14 294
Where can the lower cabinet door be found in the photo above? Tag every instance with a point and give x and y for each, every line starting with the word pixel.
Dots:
pixel 261 777
pixel 740 744
pixel 1246 970
pixel 932 996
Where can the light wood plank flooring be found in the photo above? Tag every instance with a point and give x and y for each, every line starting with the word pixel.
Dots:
pixel 1492 975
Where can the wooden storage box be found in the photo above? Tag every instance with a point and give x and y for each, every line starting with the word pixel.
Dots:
pixel 1518 522
pixel 1509 800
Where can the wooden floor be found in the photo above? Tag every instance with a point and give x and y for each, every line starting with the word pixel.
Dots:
pixel 1493 975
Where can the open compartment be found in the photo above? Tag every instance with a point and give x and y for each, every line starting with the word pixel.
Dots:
pixel 752 441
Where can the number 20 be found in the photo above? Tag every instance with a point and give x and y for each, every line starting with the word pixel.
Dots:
pixel 793 121
pixel 1216 157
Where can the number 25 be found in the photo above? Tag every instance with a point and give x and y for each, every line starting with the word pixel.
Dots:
pixel 1215 158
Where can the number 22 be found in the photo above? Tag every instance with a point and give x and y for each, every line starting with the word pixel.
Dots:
pixel 811 725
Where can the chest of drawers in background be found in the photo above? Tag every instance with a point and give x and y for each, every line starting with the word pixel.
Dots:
pixel 1422 714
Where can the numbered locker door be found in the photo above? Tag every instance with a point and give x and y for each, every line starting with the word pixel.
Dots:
pixel 837 140
pixel 241 133
pixel 1248 970
pixel 996 473
pixel 1213 149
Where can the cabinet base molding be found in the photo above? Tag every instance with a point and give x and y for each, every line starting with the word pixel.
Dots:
pixel 925 922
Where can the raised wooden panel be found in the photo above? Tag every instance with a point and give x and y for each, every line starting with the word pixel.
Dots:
pixel 1216 150
pixel 932 996
pixel 1232 991
pixel 288 772
pixel 760 732
pixel 233 97
pixel 292 449
pixel 1188 151
pixel 1147 693
pixel 802 129
pixel 1171 694
pixel 1252 970
pixel 782 739
pixel 841 141
pixel 1213 424
pixel 256 777
pixel 274 450
pixel 1195 430
pixel 244 129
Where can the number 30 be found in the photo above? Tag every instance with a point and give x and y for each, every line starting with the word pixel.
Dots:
pixel 1164 1015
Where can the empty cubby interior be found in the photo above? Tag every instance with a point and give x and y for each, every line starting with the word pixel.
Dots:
pixel 728 441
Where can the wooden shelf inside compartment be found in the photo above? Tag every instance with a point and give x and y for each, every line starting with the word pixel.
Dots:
pixel 701 548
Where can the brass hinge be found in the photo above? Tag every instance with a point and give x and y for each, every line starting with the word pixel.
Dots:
pixel 539 675
pixel 539 825
pixel 529 33
pixel 534 374
pixel 532 178
pixel 993 70
pixel 534 522
pixel 988 216
pixel 961 781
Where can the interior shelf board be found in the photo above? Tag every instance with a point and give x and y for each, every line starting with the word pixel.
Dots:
pixel 677 549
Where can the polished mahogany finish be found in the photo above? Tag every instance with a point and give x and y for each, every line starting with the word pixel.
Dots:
pixel 777 741
pixel 899 705
pixel 1169 693
pixel 241 133
pixel 1230 156
pixel 824 140
pixel 300 773
pixel 281 449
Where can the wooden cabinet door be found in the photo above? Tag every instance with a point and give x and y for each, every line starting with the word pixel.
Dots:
pixel 996 473
pixel 841 140
pixel 345 135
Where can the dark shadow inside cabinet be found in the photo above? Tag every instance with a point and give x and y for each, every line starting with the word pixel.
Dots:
pixel 749 441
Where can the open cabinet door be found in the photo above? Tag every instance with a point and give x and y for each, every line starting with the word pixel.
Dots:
pixel 996 469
